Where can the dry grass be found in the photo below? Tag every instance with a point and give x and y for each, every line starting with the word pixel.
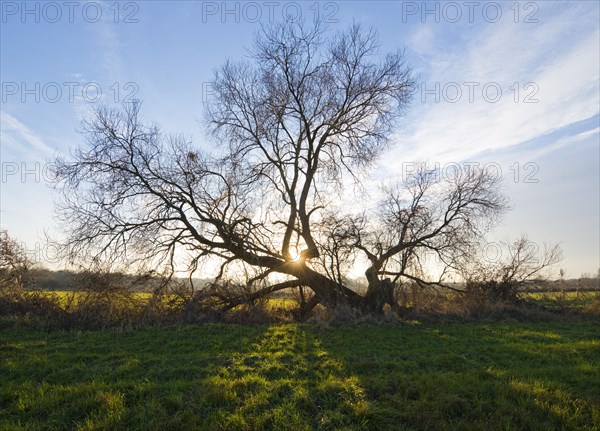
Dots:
pixel 104 300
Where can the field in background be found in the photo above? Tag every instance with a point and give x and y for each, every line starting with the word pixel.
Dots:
pixel 467 376
pixel 566 300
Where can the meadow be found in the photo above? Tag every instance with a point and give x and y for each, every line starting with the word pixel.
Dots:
pixel 401 376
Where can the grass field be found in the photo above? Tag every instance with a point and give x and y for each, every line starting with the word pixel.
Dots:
pixel 500 376
pixel 570 299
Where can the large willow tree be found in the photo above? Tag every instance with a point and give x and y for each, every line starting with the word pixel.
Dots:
pixel 298 121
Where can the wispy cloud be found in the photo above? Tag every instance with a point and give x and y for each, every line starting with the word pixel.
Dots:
pixel 109 45
pixel 20 138
pixel 105 80
pixel 557 57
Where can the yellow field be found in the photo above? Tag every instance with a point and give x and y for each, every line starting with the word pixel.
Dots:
pixel 66 297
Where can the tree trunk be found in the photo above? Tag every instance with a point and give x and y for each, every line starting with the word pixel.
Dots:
pixel 379 293
pixel 335 295
pixel 327 292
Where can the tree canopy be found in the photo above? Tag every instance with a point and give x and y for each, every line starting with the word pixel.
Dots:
pixel 303 117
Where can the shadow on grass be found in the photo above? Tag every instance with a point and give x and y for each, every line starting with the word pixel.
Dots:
pixel 206 377
pixel 289 377
pixel 487 377
pixel 104 380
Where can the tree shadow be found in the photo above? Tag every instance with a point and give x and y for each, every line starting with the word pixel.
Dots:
pixel 468 377
pixel 107 380
pixel 290 377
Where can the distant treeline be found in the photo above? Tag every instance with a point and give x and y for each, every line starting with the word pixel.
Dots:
pixel 68 280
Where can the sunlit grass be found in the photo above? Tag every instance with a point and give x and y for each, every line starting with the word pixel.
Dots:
pixel 288 377
pixel 70 296
pixel 569 299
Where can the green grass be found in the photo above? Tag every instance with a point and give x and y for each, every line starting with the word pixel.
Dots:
pixel 500 376
pixel 565 300
pixel 64 297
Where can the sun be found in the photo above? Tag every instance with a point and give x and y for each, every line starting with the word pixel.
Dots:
pixel 295 256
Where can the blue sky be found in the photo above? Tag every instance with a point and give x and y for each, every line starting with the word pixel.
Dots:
pixel 511 85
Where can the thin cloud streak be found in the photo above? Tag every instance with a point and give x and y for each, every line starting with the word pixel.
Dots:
pixel 20 137
pixel 568 91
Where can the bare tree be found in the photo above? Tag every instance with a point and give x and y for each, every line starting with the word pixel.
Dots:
pixel 428 221
pixel 525 265
pixel 14 262
pixel 296 123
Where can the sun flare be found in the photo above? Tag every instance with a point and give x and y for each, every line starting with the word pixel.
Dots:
pixel 295 256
